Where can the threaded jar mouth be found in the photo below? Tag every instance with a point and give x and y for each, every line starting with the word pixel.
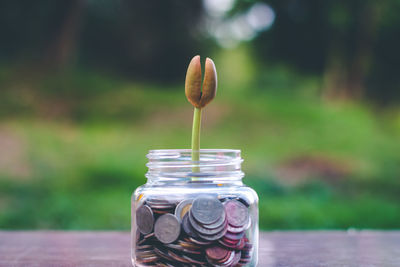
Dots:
pixel 178 164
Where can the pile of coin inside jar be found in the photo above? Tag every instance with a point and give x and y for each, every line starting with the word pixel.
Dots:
pixel 204 231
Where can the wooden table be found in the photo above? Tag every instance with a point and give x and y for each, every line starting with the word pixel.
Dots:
pixel 308 249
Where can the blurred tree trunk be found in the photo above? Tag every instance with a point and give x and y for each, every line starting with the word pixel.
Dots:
pixel 335 72
pixel 63 47
pixel 346 72
pixel 360 66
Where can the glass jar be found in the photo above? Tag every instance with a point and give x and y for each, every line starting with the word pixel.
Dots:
pixel 194 213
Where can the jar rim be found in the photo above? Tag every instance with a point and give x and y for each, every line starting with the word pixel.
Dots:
pixel 203 150
pixel 178 163
pixel 184 155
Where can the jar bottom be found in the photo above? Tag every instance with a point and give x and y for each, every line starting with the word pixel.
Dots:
pixel 196 230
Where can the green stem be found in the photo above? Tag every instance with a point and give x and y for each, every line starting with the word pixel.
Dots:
pixel 196 137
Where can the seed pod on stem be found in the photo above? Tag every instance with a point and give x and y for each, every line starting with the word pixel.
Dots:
pixel 199 97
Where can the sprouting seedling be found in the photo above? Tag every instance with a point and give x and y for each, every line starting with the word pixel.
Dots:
pixel 199 97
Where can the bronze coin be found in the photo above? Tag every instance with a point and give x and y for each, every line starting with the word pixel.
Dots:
pixel 147 259
pixel 237 246
pixel 216 253
pixel 194 261
pixel 144 247
pixel 237 213
pixel 188 245
pixel 227 259
pixel 162 254
pixel 233 236
pixel 230 241
pixel 177 257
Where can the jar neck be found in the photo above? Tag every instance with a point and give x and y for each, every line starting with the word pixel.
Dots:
pixel 175 166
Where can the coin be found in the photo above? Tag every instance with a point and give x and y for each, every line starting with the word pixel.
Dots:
pixel 188 245
pixel 217 224
pixel 187 227
pixel 199 242
pixel 145 253
pixel 227 260
pixel 144 219
pixel 216 252
pixel 207 210
pixel 182 208
pixel 178 257
pixel 237 246
pixel 237 213
pixel 147 256
pixel 137 235
pixel 230 241
pixel 148 259
pixel 206 239
pixel 236 229
pixel 161 206
pixel 201 230
pixel 213 237
pixel 181 249
pixel 233 236
pixel 167 228
pixel 236 258
pixel 144 247
pixel 194 261
pixel 162 254
pixel 243 200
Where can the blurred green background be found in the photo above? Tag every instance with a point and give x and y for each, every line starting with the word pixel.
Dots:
pixel 308 90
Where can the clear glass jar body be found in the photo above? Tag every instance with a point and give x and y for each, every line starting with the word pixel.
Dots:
pixel 194 213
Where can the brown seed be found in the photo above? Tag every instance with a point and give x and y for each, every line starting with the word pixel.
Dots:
pixel 209 83
pixel 197 96
pixel 193 81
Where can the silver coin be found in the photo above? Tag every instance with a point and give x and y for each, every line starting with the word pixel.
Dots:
pixel 144 219
pixel 167 228
pixel 213 237
pixel 187 227
pixel 201 230
pixel 182 208
pixel 236 229
pixel 199 242
pixel 217 224
pixel 207 210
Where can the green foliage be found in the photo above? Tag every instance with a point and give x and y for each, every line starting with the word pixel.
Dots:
pixel 79 174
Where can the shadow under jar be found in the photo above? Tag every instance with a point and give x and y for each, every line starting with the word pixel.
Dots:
pixel 194 213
